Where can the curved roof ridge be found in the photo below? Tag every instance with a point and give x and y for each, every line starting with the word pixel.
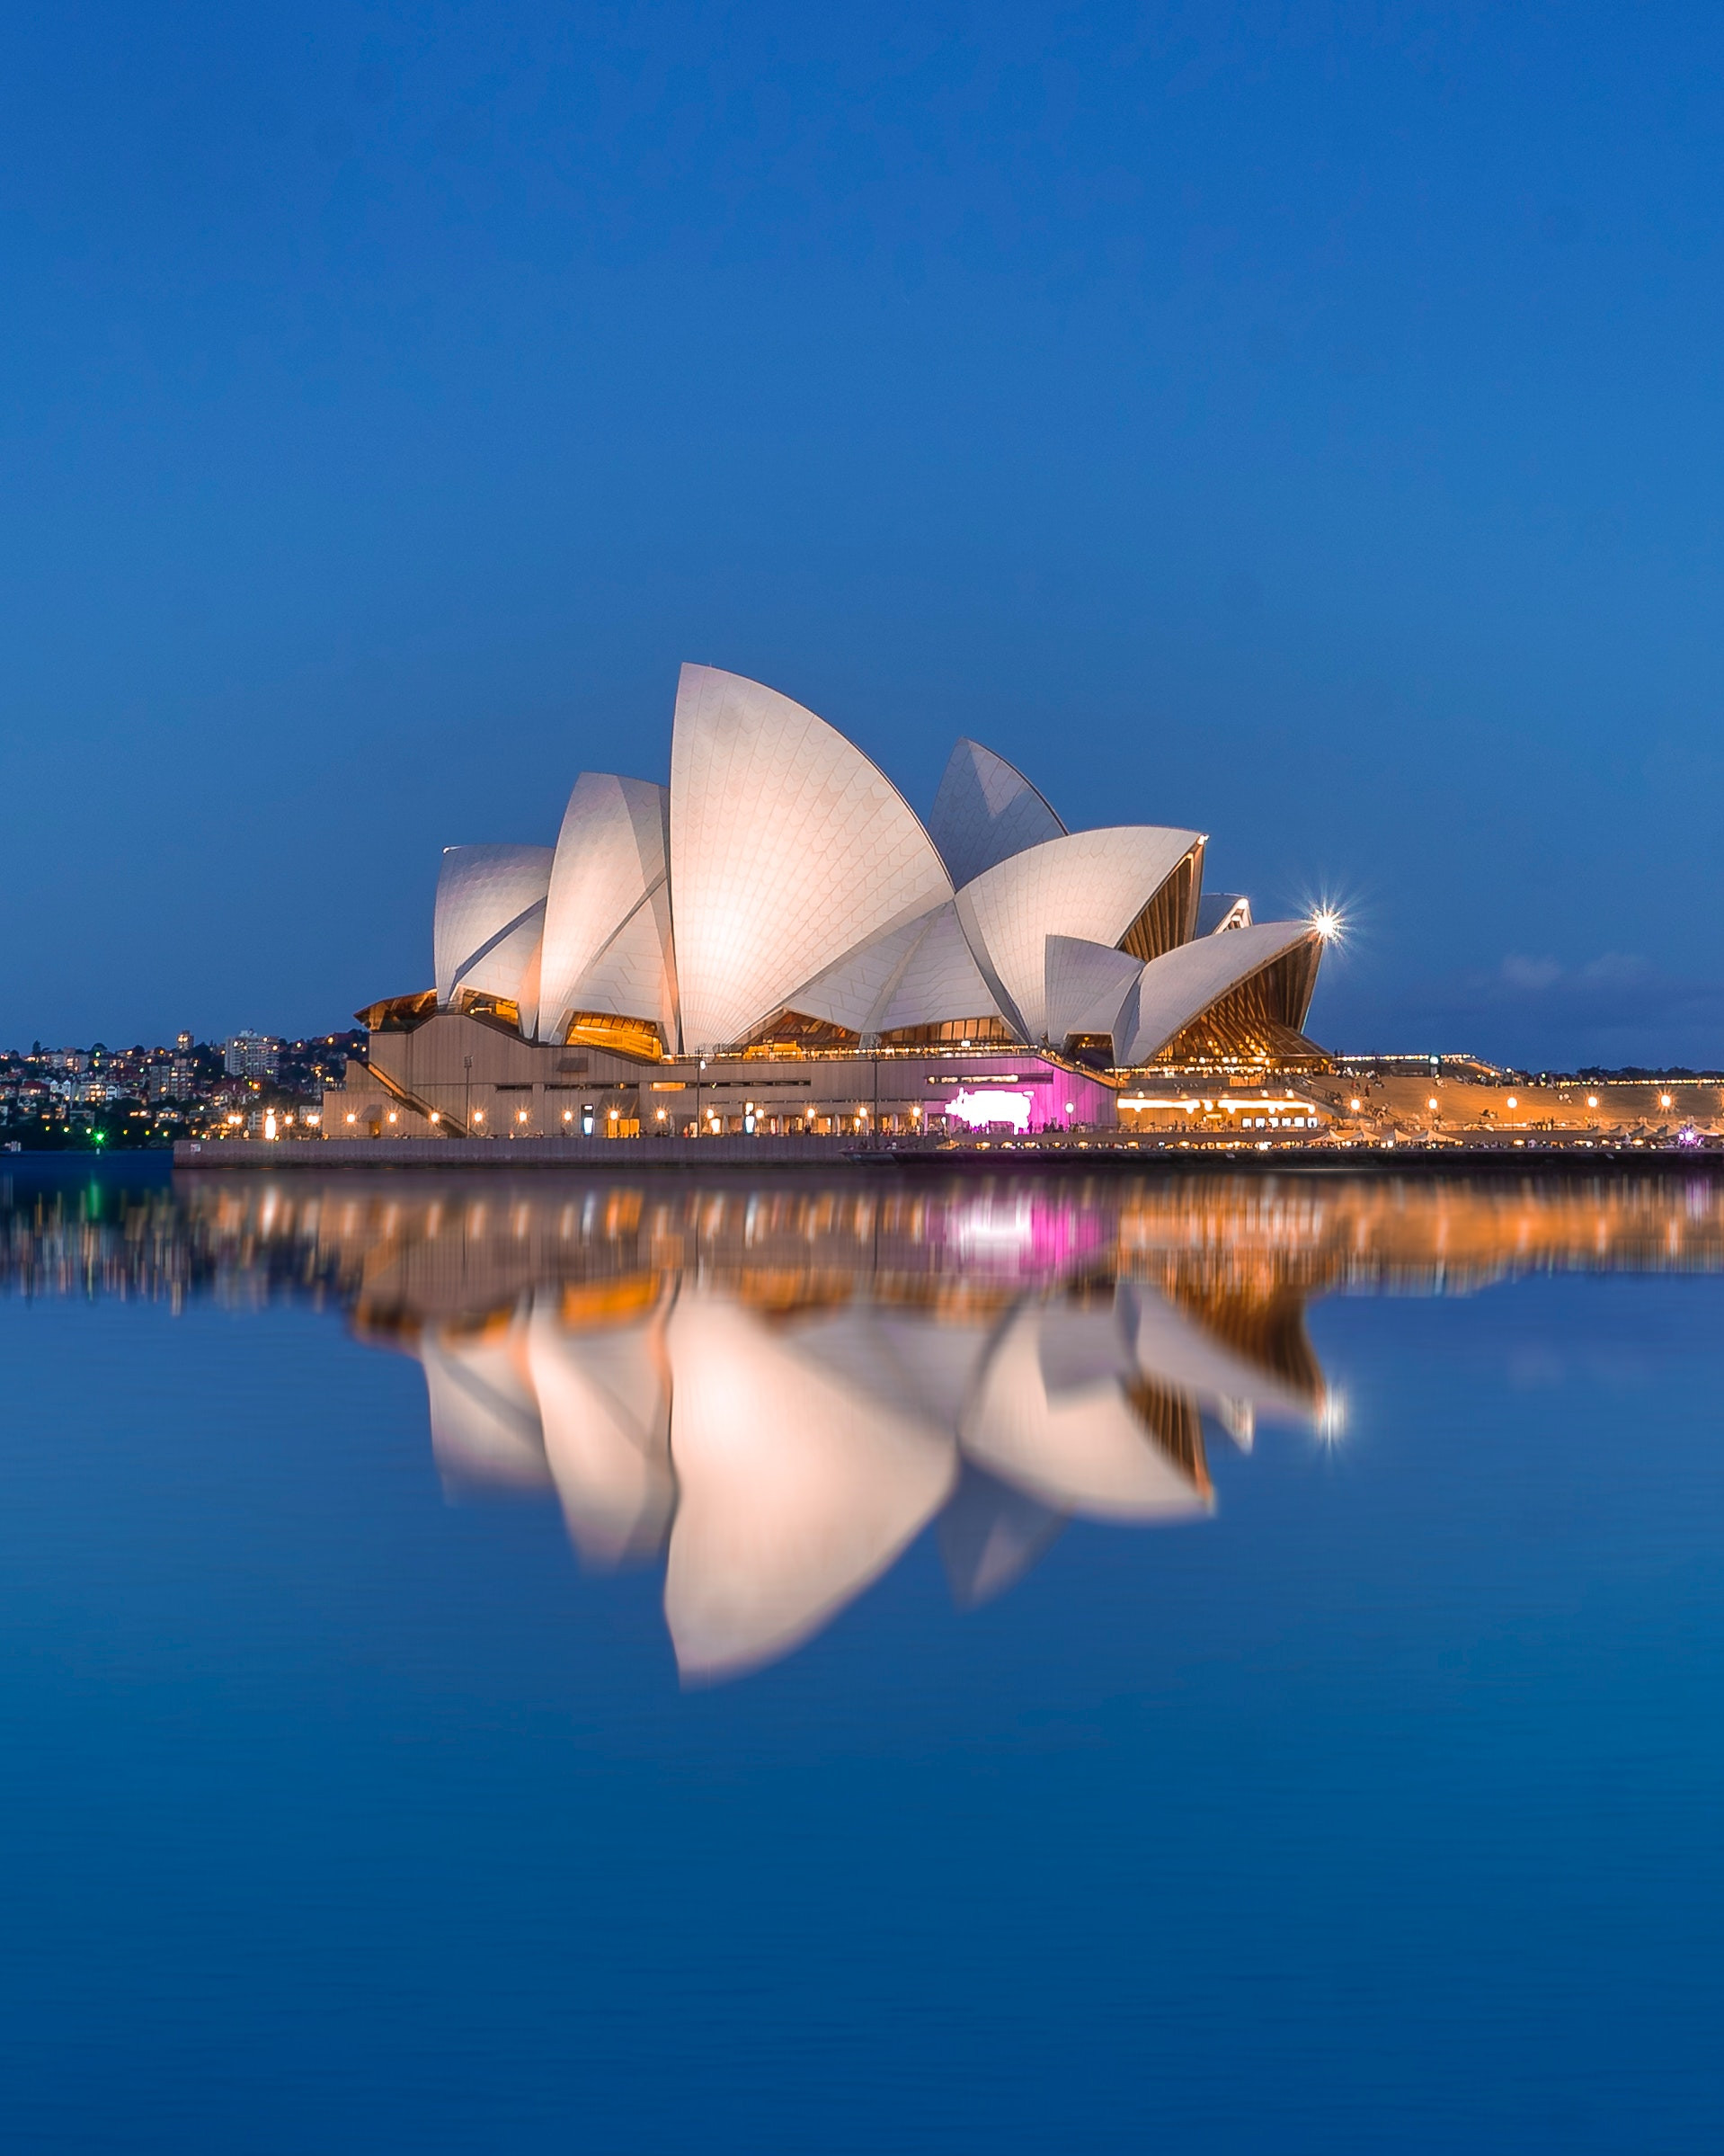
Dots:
pixel 1090 884
pixel 1087 985
pixel 611 850
pixel 1175 989
pixel 488 919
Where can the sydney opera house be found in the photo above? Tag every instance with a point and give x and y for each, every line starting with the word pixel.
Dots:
pixel 776 943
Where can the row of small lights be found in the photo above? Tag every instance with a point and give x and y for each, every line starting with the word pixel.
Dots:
pixel 1513 1102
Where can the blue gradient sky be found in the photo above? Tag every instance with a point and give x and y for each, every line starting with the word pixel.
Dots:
pixel 1302 423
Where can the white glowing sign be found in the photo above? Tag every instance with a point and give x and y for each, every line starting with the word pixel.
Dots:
pixel 991 1106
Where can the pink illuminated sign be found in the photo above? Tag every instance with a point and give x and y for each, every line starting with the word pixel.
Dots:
pixel 991 1105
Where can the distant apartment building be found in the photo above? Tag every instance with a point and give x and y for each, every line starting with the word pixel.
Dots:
pixel 252 1055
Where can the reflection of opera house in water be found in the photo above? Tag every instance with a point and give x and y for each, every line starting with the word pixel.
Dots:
pixel 773 1387
pixel 780 1409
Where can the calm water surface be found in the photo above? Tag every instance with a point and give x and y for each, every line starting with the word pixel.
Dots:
pixel 837 1664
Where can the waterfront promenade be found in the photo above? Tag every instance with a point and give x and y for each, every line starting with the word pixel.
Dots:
pixel 1556 1152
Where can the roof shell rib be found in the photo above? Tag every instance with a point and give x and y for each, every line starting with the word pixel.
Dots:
pixel 606 913
pixel 848 993
pixel 920 974
pixel 787 846
pixel 1181 985
pixel 1091 885
pixel 1087 984
pixel 489 917
pixel 985 811
pixel 942 982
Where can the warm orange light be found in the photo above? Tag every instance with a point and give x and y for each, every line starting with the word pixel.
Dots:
pixel 1432 1101
pixel 1355 1105
pixel 1664 1099
pixel 1591 1100
pixel 1512 1102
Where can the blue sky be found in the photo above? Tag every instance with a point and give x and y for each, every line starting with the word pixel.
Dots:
pixel 1299 422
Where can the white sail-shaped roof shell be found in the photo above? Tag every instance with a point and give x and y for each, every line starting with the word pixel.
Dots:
pixel 789 848
pixel 1087 984
pixel 849 992
pixel 922 974
pixel 635 975
pixel 489 920
pixel 607 912
pixel 942 982
pixel 985 811
pixel 1091 885
pixel 1181 985
pixel 605 1416
pixel 793 1492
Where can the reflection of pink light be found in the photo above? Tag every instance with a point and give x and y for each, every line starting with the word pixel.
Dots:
pixel 991 1106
